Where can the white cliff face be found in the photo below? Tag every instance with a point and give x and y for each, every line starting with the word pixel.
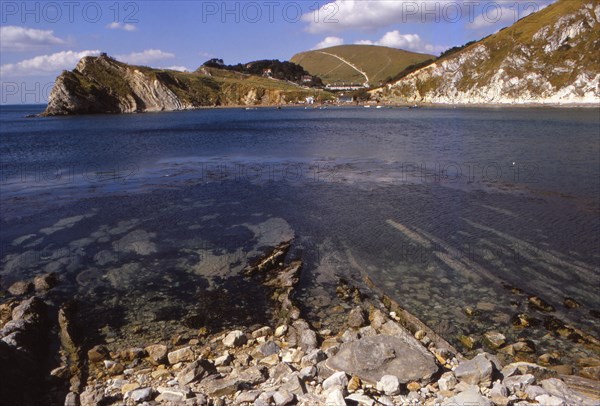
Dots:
pixel 552 67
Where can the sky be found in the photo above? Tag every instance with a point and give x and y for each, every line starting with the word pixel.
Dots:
pixel 39 39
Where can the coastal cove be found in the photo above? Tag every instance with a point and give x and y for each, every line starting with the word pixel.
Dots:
pixel 477 221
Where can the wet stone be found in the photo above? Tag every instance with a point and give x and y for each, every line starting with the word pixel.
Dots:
pixel 540 304
pixel 20 288
pixel 494 339
pixel 45 282
pixel 571 303
pixel 356 317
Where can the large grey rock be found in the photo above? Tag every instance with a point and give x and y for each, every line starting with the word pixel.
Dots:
pixel 559 389
pixel 477 371
pixel 371 358
pixel 470 398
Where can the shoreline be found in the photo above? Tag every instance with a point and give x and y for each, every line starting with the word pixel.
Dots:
pixel 497 106
pixel 288 362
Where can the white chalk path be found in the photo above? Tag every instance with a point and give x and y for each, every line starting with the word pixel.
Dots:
pixel 349 64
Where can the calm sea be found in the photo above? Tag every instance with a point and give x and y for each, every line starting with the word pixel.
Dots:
pixel 150 218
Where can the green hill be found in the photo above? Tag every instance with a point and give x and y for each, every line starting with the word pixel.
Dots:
pixel 350 63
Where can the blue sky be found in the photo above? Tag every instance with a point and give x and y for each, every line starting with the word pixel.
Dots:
pixel 39 39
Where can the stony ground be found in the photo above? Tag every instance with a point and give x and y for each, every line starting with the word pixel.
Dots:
pixel 382 356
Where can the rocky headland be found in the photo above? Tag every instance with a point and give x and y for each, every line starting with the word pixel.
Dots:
pixel 104 85
pixel 378 355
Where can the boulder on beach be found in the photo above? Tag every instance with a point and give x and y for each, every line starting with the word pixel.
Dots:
pixel 371 358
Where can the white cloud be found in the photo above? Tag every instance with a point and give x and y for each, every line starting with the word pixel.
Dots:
pixel 329 42
pixel 368 15
pixel 14 38
pixel 120 26
pixel 178 68
pixel 341 15
pixel 145 57
pixel 45 64
pixel 408 42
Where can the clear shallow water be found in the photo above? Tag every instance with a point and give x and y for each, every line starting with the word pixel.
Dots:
pixel 151 218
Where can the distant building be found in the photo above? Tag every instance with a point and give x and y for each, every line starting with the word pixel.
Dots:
pixel 345 99
pixel 307 78
pixel 310 100
pixel 346 86
pixel 267 73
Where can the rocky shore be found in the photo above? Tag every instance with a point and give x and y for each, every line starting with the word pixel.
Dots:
pixel 381 355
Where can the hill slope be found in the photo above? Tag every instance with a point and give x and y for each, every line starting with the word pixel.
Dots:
pixel 552 56
pixel 104 85
pixel 357 63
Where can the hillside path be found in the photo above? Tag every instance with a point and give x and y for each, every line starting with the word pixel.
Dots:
pixel 349 64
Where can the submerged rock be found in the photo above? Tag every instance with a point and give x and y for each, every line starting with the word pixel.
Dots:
pixel 20 288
